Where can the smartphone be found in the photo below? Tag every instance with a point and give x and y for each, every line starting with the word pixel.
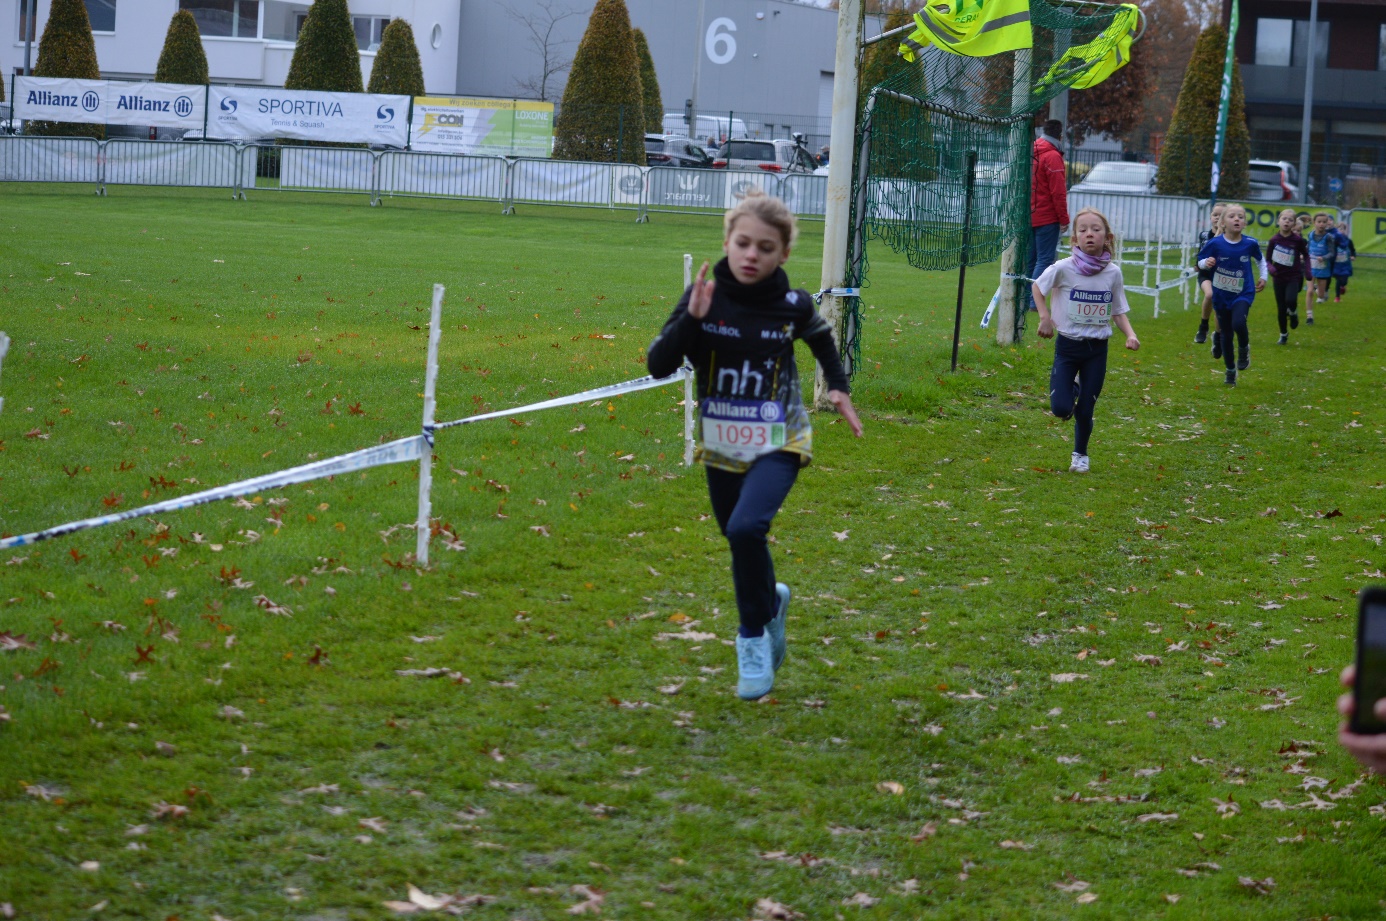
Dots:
pixel 1371 662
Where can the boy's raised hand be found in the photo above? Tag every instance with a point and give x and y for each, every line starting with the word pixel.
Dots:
pixel 843 402
pixel 700 300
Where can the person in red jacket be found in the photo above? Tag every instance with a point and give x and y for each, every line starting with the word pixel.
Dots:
pixel 1048 199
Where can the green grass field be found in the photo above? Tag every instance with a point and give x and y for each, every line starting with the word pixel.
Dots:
pixel 1011 691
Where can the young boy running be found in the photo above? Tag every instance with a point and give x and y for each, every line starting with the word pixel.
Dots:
pixel 1230 255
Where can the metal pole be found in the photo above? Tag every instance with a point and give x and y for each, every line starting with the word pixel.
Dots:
pixel 697 67
pixel 435 332
pixel 850 24
pixel 1306 122
pixel 1012 304
pixel 30 28
pixel 966 242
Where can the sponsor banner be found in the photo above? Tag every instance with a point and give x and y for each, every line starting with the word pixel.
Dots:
pixel 243 113
pixel 483 127
pixel 562 182
pixel 346 170
pixel 627 184
pixel 1368 231
pixel 130 162
pixel 686 188
pixel 109 102
pixel 1262 217
pixel 739 183
pixel 39 159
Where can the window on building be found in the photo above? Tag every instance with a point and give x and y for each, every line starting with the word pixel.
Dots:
pixel 1381 49
pixel 1301 57
pixel 102 15
pixel 369 29
pixel 1274 38
pixel 25 24
pixel 224 18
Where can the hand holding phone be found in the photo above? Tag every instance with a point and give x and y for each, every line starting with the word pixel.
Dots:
pixel 1369 676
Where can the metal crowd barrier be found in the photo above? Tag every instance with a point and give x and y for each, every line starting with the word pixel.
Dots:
pixel 121 161
pixel 40 159
pixel 436 175
pixel 1167 218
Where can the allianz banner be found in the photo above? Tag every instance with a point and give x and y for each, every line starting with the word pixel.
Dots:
pixel 109 102
pixel 241 113
pixel 481 127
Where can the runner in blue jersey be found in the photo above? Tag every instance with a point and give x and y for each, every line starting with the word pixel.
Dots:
pixel 1230 255
pixel 1342 262
pixel 1323 253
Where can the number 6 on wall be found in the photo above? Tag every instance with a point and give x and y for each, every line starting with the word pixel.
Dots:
pixel 719 42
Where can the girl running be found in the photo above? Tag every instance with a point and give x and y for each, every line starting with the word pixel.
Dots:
pixel 1323 252
pixel 1088 299
pixel 1230 255
pixel 1205 279
pixel 738 330
pixel 1288 260
pixel 1342 262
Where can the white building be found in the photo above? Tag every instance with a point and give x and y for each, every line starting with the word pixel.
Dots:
pixel 247 41
pixel 770 62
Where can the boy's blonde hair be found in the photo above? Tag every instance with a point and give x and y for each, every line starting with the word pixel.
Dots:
pixel 772 211
pixel 1110 244
pixel 1233 206
pixel 1324 214
pixel 1289 211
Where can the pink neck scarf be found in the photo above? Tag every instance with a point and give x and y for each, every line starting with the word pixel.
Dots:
pixel 1090 265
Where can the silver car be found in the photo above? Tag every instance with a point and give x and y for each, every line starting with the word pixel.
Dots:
pixel 1272 180
pixel 778 156
pixel 1119 176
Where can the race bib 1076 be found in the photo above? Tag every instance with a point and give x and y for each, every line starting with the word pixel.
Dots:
pixel 742 429
pixel 1089 307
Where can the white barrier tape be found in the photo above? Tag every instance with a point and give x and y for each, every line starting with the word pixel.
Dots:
pixel 610 390
pixel 394 452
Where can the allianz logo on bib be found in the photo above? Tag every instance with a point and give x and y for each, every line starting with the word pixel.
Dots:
pixel 1090 297
pixel 768 411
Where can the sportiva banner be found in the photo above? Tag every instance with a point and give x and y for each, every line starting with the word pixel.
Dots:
pixel 244 113
pixel 109 102
pixel 495 127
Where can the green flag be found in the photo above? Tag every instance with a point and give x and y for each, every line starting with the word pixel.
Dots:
pixel 976 28
pixel 1098 59
pixel 1225 100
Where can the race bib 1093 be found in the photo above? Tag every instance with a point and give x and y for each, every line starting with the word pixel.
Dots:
pixel 742 429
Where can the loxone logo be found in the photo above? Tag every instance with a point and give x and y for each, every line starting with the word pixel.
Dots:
pixel 228 105
pixel 182 106
pixel 631 185
pixel 91 100
pixel 385 113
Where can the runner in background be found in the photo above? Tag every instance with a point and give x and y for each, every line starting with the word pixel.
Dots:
pixel 1323 252
pixel 1342 262
pixel 738 330
pixel 1287 257
pixel 1230 255
pixel 1205 280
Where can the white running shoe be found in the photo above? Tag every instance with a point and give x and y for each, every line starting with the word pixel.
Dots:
pixel 1080 463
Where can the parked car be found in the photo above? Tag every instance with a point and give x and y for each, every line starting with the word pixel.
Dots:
pixel 1272 180
pixel 778 156
pixel 672 150
pixel 1119 176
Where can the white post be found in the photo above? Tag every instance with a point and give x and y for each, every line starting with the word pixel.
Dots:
pixel 842 138
pixel 435 332
pixel 1159 258
pixel 688 381
pixel 1183 270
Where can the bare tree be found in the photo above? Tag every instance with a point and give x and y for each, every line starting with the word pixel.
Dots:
pixel 554 59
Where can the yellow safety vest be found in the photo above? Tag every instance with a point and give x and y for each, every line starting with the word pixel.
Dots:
pixel 1098 59
pixel 976 28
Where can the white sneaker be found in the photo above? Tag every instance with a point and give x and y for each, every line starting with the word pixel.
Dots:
pixel 1079 464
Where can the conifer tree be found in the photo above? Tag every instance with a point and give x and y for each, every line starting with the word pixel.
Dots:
pixel 326 57
pixel 653 102
pixel 397 68
pixel 1186 159
pixel 602 115
pixel 183 59
pixel 67 50
pixel 882 59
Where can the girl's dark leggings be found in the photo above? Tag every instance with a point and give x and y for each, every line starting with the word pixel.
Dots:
pixel 745 504
pixel 1080 368
pixel 1286 300
pixel 1340 283
pixel 1232 319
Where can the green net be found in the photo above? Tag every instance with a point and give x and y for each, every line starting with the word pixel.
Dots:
pixel 919 128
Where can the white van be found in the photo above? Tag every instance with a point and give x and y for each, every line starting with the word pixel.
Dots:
pixel 709 126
